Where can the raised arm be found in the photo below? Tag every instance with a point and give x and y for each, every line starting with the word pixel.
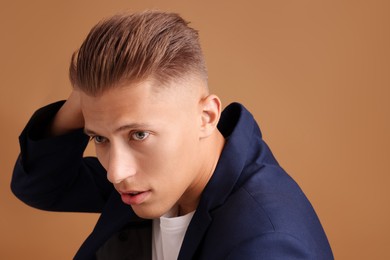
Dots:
pixel 51 172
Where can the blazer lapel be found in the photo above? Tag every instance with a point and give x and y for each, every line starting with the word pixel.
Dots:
pixel 237 126
pixel 114 217
pixel 194 235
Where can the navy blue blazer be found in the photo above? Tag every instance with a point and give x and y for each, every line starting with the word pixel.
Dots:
pixel 250 209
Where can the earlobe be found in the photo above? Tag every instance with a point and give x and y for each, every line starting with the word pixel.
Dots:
pixel 211 112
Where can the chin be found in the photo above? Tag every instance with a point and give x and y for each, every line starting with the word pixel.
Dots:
pixel 147 213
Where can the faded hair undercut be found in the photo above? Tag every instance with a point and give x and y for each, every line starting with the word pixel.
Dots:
pixel 129 48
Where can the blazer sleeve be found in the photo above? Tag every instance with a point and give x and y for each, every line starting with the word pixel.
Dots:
pixel 273 246
pixel 51 173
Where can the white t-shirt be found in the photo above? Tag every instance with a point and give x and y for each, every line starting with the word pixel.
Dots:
pixel 168 235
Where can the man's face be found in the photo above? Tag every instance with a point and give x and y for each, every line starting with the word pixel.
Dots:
pixel 149 143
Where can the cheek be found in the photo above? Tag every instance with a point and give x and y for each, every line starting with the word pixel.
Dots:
pixel 178 152
pixel 163 156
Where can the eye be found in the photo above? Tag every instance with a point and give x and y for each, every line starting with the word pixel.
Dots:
pixel 98 139
pixel 139 135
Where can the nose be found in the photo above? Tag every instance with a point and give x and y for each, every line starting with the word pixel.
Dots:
pixel 121 165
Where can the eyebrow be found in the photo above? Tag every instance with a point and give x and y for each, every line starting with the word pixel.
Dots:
pixel 121 128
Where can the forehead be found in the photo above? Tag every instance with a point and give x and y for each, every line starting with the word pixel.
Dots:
pixel 118 102
pixel 136 104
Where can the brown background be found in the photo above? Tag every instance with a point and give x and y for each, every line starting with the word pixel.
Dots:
pixel 315 74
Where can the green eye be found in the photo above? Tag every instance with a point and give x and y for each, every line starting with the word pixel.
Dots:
pixel 140 135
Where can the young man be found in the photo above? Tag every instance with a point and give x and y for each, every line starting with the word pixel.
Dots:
pixel 174 178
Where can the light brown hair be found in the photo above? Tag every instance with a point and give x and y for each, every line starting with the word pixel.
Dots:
pixel 129 48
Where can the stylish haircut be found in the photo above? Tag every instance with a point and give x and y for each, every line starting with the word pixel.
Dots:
pixel 129 48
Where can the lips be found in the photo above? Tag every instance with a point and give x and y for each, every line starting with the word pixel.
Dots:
pixel 134 197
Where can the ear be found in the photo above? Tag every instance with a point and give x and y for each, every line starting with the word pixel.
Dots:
pixel 210 114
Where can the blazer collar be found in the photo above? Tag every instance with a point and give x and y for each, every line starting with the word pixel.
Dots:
pixel 237 126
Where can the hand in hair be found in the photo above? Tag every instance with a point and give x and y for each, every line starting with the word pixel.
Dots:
pixel 69 117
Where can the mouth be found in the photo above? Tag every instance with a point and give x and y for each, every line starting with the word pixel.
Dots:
pixel 134 197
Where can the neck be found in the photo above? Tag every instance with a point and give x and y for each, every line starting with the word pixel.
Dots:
pixel 191 197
